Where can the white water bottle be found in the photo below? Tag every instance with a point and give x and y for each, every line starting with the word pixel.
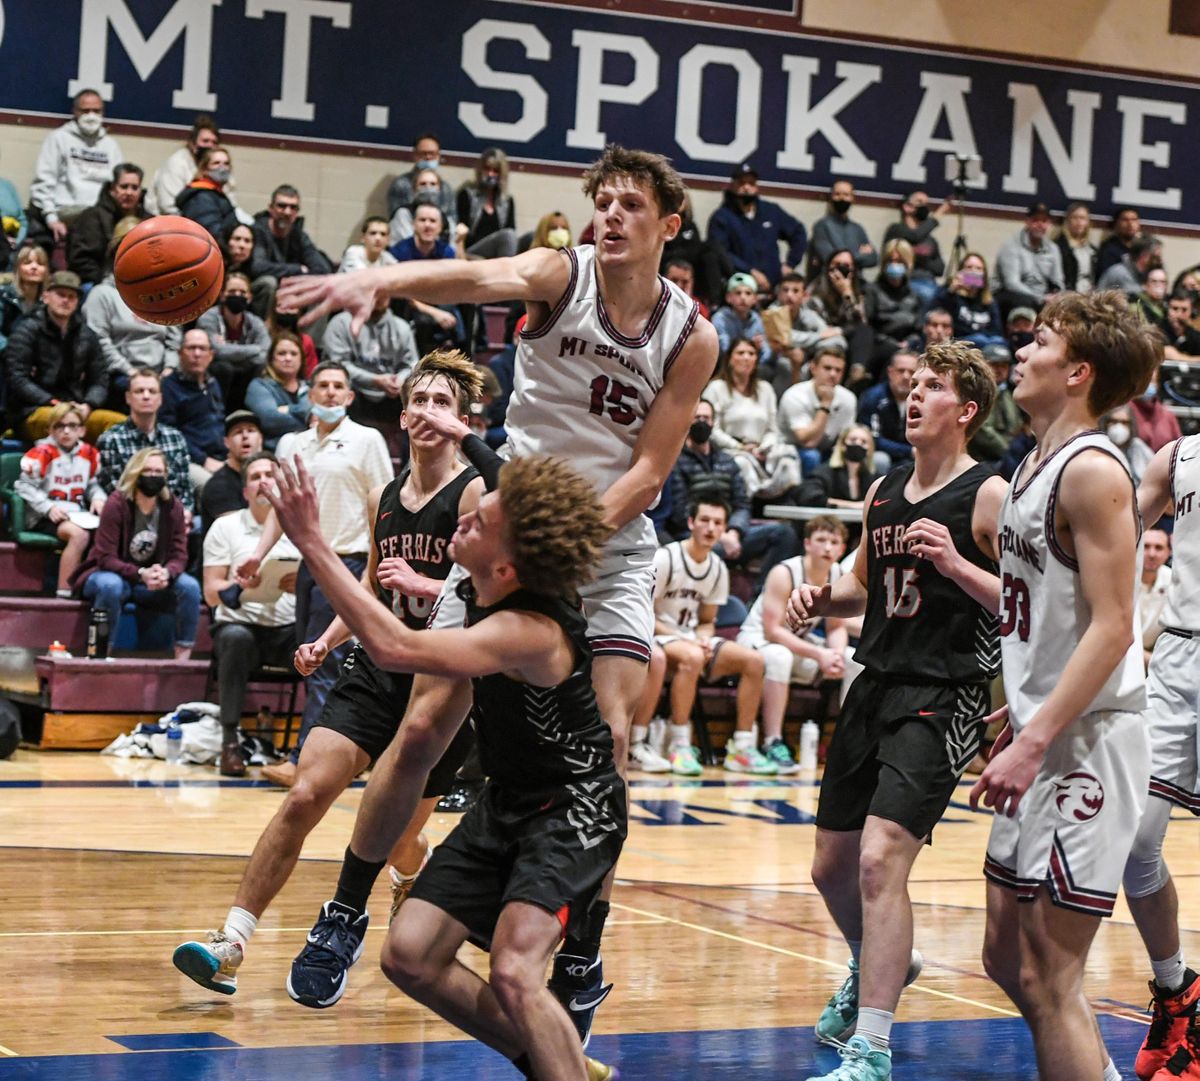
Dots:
pixel 810 736
pixel 174 742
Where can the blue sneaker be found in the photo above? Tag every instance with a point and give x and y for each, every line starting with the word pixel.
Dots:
pixel 860 1062
pixel 212 964
pixel 840 1016
pixel 318 976
pixel 579 986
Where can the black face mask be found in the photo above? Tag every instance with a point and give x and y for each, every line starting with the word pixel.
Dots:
pixel 236 304
pixel 151 485
pixel 748 199
pixel 921 212
pixel 490 183
pixel 841 206
pixel 852 452
pixel 287 322
pixel 1019 339
pixel 700 431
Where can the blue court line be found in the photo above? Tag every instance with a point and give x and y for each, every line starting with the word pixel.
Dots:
pixel 996 1048
pixel 173 1041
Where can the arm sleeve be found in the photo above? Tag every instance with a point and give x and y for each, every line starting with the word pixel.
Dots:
pixel 719 234
pixel 97 370
pixel 107 544
pixel 23 390
pixel 98 312
pixel 85 247
pixel 45 178
pixel 483 458
pixel 796 235
pixel 871 258
pixel 822 243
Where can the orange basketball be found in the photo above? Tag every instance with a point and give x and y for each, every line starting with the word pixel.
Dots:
pixel 169 270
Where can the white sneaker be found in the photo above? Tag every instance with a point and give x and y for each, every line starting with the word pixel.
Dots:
pixel 644 757
pixel 659 736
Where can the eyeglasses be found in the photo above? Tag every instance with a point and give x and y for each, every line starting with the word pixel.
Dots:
pixel 66 424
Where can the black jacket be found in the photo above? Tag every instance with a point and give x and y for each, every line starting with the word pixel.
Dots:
pixel 1071 262
pixel 44 364
pixel 288 257
pixel 717 474
pixel 87 243
pixel 208 207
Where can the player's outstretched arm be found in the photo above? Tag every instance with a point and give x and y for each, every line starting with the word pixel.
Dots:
pixel 662 436
pixel 539 275
pixel 1154 493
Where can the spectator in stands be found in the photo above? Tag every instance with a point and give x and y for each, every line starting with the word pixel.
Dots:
pixel 93 230
pixel 427 151
pixel 836 296
pixel 287 318
pixel 794 329
pixel 1189 281
pixel 1006 421
pixel 739 318
pixel 883 408
pixel 1157 425
pixel 237 247
pixel 433 326
pixel 974 315
pixel 938 327
pixel 816 654
pixel 1151 301
pixel 58 484
pixel 812 414
pixel 710 265
pixel 1129 275
pixel 1153 584
pixel 74 164
pixel 223 492
pixel 178 170
pixel 843 480
pixel 1018 328
pixel 426 189
pixel 192 403
pixel 1079 254
pixel 681 272
pixel 14 223
pixel 143 398
pixel 371 250
pixel 204 200
pixel 378 360
pixel 1029 268
pixel 53 357
pixel 1120 426
pixel 690 584
pixel 705 469
pixel 426 241
pixel 282 246
pixel 487 217
pixel 916 226
pixel 745 424
pixel 240 339
pixel 252 633
pixel 749 229
pixel 21 295
pixel 892 306
pixel 553 230
pixel 346 460
pixel 279 397
pixel 1126 226
pixel 140 552
pixel 836 232
pixel 128 340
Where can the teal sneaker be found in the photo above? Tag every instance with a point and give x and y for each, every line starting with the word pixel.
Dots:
pixel 686 762
pixel 840 1016
pixel 860 1062
pixel 748 760
pixel 777 751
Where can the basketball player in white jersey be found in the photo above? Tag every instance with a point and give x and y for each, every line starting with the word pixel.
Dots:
pixel 608 372
pixel 1069 787
pixel 1172 1044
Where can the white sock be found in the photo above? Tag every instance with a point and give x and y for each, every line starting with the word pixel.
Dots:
pixel 855 948
pixel 240 925
pixel 638 733
pixel 1111 1073
pixel 399 876
pixel 1169 974
pixel 681 736
pixel 875 1026
pixel 744 741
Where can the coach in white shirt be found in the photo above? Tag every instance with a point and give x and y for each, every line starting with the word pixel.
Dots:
pixel 814 413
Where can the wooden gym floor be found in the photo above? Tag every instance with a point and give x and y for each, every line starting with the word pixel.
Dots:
pixel 721 950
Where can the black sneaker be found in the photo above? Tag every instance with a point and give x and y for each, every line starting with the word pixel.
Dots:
pixel 460 798
pixel 318 976
pixel 579 986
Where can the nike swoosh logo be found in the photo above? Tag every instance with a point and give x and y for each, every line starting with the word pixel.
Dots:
pixel 385 514
pixel 578 1004
pixel 880 502
pixel 927 713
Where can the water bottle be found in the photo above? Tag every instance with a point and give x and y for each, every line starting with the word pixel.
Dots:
pixel 810 736
pixel 98 632
pixel 174 741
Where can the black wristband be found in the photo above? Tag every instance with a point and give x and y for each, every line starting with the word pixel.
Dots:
pixel 483 458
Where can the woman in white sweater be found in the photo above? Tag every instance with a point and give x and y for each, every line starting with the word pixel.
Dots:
pixel 745 425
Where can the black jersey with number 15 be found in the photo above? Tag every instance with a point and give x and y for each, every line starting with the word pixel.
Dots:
pixel 420 537
pixel 919 624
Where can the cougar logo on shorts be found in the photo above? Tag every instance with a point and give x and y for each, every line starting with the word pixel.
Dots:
pixel 1080 796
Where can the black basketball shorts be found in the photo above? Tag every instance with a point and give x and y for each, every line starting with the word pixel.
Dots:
pixel 367 704
pixel 898 752
pixel 551 848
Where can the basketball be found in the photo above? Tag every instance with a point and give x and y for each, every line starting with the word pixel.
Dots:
pixel 169 270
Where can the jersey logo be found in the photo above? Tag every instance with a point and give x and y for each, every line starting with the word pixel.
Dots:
pixel 880 502
pixel 927 713
pixel 385 514
pixel 1080 796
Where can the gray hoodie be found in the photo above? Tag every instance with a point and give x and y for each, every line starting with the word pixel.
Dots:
pixel 129 341
pixel 385 345
pixel 72 169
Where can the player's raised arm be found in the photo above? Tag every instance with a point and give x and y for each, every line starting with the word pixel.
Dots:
pixel 1154 493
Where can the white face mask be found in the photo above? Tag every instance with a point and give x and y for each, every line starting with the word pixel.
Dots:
pixel 1119 433
pixel 558 238
pixel 90 123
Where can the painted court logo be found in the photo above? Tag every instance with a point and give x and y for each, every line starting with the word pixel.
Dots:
pixel 1080 796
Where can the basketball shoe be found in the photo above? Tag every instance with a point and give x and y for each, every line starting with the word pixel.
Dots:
pixel 644 757
pixel 686 762
pixel 1185 1059
pixel 212 964
pixel 579 986
pixel 840 1016
pixel 1170 1018
pixel 318 975
pixel 597 1071
pixel 777 751
pixel 748 760
pixel 860 1062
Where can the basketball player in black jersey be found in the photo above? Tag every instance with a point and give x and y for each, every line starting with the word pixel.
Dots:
pixel 529 859
pixel 926 579
pixel 414 518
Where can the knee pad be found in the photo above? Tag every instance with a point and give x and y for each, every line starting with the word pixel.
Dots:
pixel 1145 871
pixel 777 661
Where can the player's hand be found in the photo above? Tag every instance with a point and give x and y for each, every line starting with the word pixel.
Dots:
pixel 705 642
pixel 931 540
pixel 438 421
pixel 398 574
pixel 832 664
pixel 731 544
pixel 295 501
pixel 807 603
pixel 1007 778
pixel 309 657
pixel 444 319
pixel 323 294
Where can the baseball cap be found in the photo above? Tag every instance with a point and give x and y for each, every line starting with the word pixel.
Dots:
pixel 65 279
pixel 745 169
pixel 1038 210
pixel 739 279
pixel 1021 313
pixel 241 416
pixel 997 354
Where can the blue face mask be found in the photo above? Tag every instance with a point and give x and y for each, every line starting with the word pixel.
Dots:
pixel 329 414
pixel 1151 393
pixel 431 163
pixel 895 272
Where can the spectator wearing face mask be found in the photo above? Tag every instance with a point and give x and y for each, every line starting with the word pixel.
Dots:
pixel 749 230
pixel 837 232
pixel 240 340
pixel 918 220
pixel 1157 425
pixel 1018 328
pixel 204 200
pixel 968 299
pixel 1121 427
pixel 427 157
pixel 892 307
pixel 371 250
pixel 427 189
pixel 487 217
pixel 552 231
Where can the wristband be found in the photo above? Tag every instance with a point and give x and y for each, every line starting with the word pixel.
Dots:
pixel 822 409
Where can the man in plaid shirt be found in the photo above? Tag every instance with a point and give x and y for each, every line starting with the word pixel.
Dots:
pixel 122 441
